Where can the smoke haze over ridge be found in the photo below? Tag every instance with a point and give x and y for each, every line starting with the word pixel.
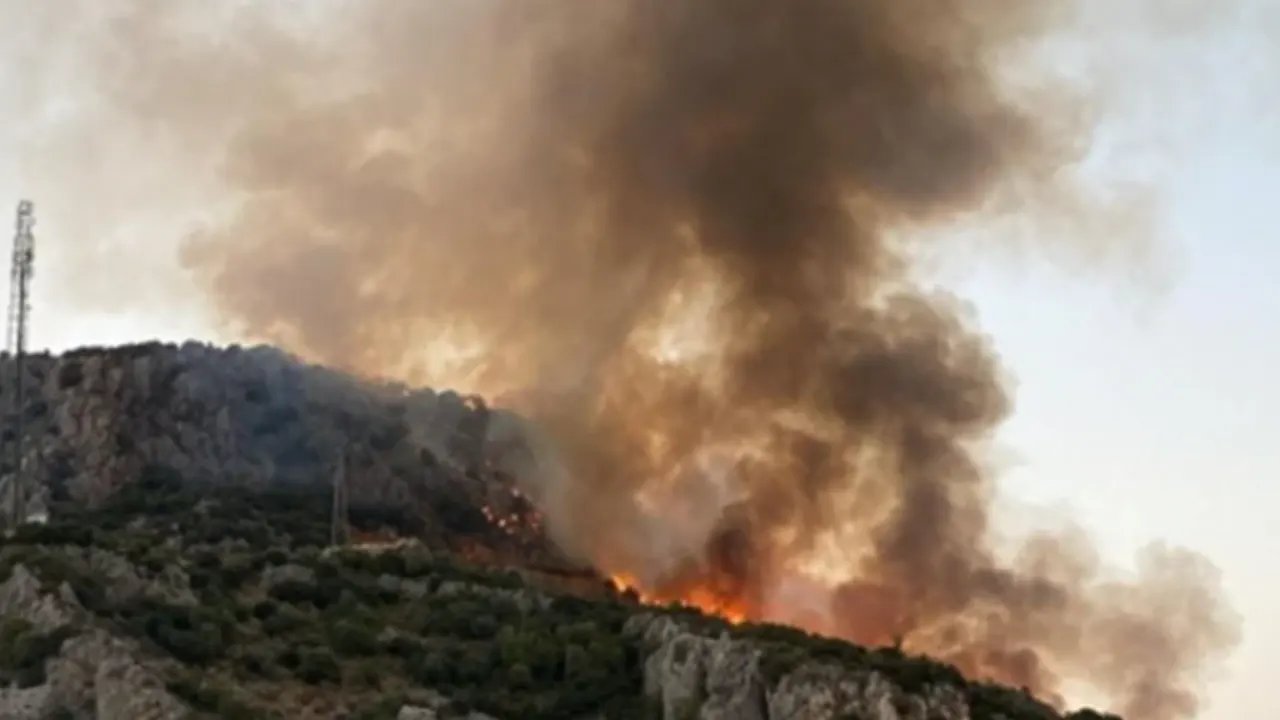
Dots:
pixel 673 236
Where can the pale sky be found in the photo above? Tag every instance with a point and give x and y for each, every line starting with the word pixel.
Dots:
pixel 1146 393
pixel 1147 398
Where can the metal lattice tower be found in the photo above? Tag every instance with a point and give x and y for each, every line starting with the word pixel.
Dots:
pixel 19 314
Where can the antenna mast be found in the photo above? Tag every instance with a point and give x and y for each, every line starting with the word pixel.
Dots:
pixel 19 308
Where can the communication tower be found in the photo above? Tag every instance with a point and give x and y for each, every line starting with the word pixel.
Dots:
pixel 22 270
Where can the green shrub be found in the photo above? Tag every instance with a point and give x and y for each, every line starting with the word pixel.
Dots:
pixel 289 659
pixel 193 635
pixel 432 667
pixel 265 609
pixel 417 562
pixel 56 533
pixel 369 676
pixel 519 676
pixel 208 560
pixel 235 570
pixel 317 665
pixel 404 646
pixel 986 700
pixel 293 591
pixel 212 698
pixel 322 593
pixel 255 663
pixel 190 646
pixel 475 664
pixel 388 708
pixel 353 638
pixel 483 627
pixel 199 580
pixel 24 650
pixel 286 618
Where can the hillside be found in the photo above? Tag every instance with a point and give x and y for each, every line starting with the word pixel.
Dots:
pixel 186 571
pixel 94 418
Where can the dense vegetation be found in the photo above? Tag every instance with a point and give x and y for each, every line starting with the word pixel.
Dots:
pixel 377 626
pixel 243 590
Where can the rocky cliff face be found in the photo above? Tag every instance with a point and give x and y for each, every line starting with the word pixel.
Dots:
pixel 693 674
pixel 97 419
pixel 93 674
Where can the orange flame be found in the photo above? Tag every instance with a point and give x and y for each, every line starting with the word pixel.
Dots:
pixel 699 597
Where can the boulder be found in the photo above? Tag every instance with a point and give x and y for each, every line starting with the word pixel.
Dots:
pixel 21 596
pixel 281 574
pixel 125 690
pixel 35 703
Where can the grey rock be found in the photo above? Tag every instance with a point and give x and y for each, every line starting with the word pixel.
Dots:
pixel 21 596
pixel 415 589
pixel 675 676
pixel 173 586
pixel 428 704
pixel 279 574
pixel 94 675
pixel 411 712
pixel 126 690
pixel 389 583
pixel 119 577
pixel 735 689
pixel 426 698
pixel 695 676
pixel 35 703
pixel 73 673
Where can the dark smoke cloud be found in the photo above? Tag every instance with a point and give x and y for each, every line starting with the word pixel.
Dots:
pixel 673 235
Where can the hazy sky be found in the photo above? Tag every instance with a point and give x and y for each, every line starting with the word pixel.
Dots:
pixel 1147 397
pixel 1146 392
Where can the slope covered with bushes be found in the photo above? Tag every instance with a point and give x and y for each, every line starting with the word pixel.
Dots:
pixel 234 605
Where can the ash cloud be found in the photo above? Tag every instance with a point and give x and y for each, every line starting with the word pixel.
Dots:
pixel 672 235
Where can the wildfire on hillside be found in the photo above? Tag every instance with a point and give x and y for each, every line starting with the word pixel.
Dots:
pixel 683 241
pixel 515 523
pixel 701 597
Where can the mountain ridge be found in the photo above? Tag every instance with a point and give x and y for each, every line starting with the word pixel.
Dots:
pixel 186 551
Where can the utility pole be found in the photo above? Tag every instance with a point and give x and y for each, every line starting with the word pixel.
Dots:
pixel 338 518
pixel 21 272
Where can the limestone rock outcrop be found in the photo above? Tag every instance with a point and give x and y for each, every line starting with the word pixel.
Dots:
pixel 690 675
pixel 22 596
pixel 98 419
pixel 93 676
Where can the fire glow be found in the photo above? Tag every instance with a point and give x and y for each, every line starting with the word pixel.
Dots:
pixel 679 229
pixel 699 597
pixel 514 523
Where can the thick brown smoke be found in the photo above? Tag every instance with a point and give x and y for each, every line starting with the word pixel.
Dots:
pixel 673 234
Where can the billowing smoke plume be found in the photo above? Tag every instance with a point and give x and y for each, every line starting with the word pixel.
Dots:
pixel 674 235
